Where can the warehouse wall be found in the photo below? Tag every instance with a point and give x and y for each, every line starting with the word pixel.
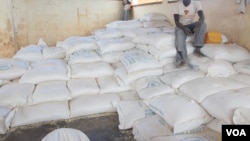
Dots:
pixel 221 15
pixel 54 20
pixel 7 46
pixel 24 22
pixel 224 16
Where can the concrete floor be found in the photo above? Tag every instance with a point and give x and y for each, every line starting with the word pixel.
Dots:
pixel 97 127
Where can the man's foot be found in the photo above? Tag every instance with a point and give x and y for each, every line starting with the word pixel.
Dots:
pixel 180 64
pixel 198 53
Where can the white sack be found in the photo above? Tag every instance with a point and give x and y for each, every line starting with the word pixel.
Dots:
pixel 216 125
pixel 158 23
pixel 6 115
pixel 143 39
pixel 128 95
pixel 107 33
pixel 127 78
pixel 3 82
pixel 228 102
pixel 50 91
pixel 162 41
pixel 92 104
pixel 118 44
pixel 134 32
pixel 220 68
pixel 190 115
pixel 130 111
pixel 73 44
pixel 15 94
pixel 91 70
pixel 82 86
pixel 50 111
pixel 159 40
pixel 151 86
pixel 66 134
pixel 179 77
pixel 242 116
pixel 169 51
pixel 111 57
pixel 167 60
pixel 83 56
pixel 240 77
pixel 165 40
pixel 125 24
pixel 201 63
pixel 142 47
pixel 109 84
pixel 46 70
pixel 149 127
pixel 228 52
pixel 171 67
pixel 161 54
pixel 31 53
pixel 42 43
pixel 11 68
pixel 54 53
pixel 242 66
pixel 135 61
pixel 198 89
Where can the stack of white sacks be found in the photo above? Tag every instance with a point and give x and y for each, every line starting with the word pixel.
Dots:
pixel 128 67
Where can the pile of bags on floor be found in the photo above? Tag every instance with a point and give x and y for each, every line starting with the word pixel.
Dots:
pixel 128 67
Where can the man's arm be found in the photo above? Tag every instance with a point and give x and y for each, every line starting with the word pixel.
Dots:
pixel 200 21
pixel 201 17
pixel 187 31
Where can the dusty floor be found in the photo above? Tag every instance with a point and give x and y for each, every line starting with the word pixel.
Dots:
pixel 97 127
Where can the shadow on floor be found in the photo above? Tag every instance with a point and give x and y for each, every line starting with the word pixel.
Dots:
pixel 97 127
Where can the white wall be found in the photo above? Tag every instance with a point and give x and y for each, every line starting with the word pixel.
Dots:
pixel 7 47
pixel 55 20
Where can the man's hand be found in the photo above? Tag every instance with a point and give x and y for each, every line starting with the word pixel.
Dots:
pixel 187 31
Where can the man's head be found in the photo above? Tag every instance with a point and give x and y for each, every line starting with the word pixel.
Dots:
pixel 186 2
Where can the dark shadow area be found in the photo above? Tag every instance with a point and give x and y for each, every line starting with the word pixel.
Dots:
pixel 96 127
